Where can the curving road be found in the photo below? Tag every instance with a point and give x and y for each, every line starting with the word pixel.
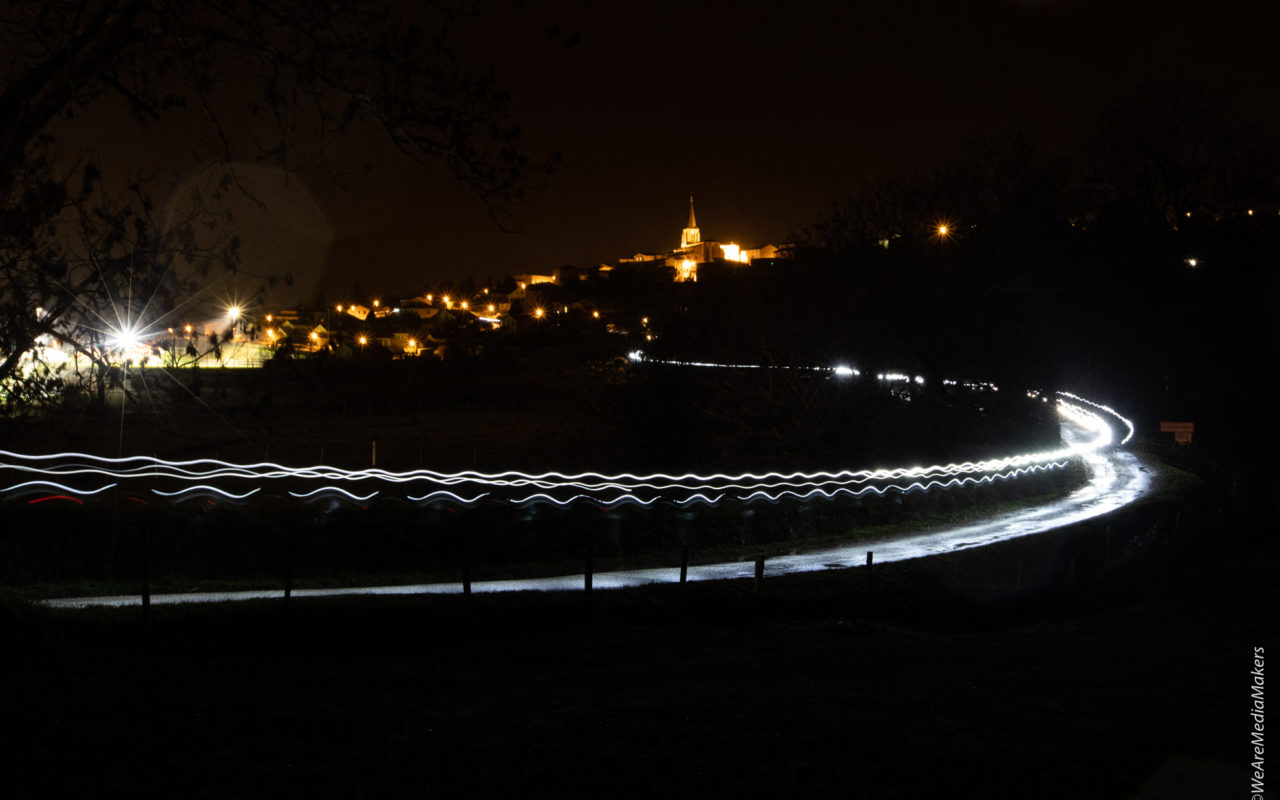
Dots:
pixel 1116 477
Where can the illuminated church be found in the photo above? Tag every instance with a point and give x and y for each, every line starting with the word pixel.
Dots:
pixel 694 251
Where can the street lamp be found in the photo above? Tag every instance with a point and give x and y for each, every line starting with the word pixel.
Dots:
pixel 124 338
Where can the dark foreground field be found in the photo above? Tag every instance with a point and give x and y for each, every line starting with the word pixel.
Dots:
pixel 1109 660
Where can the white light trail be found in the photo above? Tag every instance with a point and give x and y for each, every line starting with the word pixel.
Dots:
pixel 433 496
pixel 167 477
pixel 917 486
pixel 1115 478
pixel 327 489
pixel 214 489
pixel 1123 420
pixel 17 488
pixel 557 488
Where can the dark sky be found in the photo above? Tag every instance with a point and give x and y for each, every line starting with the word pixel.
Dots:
pixel 766 112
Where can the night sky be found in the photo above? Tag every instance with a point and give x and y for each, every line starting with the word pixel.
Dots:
pixel 765 112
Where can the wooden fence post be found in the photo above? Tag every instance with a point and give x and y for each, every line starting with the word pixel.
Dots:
pixel 290 565
pixel 683 519
pixel 146 577
pixel 590 560
pixel 466 559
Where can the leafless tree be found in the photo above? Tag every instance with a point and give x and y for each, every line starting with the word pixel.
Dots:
pixel 263 79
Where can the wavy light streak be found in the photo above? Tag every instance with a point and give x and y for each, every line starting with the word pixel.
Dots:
pixel 166 477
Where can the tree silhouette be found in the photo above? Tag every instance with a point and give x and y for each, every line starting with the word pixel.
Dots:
pixel 267 79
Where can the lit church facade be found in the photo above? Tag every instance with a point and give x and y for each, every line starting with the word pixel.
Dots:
pixel 694 251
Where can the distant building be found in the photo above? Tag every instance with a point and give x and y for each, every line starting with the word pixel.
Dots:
pixel 694 251
pixel 524 281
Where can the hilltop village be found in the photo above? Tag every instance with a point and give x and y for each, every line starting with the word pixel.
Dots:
pixel 628 297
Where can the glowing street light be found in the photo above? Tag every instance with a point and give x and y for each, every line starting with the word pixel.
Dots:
pixel 364 340
pixel 463 305
pixel 234 312
pixel 595 314
pixel 187 328
pixel 537 312
pixel 943 230
pixel 124 338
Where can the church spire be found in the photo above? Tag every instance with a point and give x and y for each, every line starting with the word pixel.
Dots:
pixel 691 235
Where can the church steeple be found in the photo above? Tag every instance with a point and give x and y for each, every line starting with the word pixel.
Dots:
pixel 691 234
